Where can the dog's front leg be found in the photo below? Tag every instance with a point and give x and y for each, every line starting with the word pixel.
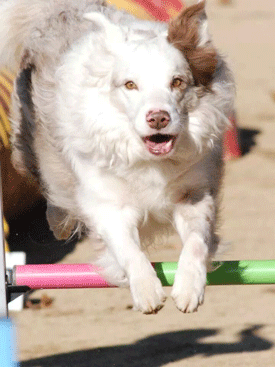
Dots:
pixel 194 220
pixel 117 226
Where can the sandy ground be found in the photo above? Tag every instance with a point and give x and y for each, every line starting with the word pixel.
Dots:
pixel 236 325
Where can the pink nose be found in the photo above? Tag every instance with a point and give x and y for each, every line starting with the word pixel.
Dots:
pixel 158 119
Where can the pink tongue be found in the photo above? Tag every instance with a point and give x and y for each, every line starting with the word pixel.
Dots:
pixel 159 148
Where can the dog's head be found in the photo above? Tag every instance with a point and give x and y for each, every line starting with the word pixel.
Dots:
pixel 159 76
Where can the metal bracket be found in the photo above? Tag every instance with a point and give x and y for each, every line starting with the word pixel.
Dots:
pixel 14 291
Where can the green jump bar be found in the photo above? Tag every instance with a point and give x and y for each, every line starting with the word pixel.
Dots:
pixel 226 272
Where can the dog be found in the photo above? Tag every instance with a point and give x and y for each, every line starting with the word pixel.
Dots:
pixel 121 121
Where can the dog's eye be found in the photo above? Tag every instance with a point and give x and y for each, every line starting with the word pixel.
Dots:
pixel 131 85
pixel 178 83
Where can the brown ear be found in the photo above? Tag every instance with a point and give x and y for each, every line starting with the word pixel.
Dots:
pixel 188 33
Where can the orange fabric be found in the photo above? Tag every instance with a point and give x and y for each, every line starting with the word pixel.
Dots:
pixel 161 10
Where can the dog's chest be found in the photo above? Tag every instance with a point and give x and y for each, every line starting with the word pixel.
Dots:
pixel 151 186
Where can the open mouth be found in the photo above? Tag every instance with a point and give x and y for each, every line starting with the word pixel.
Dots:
pixel 159 144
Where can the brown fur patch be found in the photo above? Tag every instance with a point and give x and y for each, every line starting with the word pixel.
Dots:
pixel 24 140
pixel 192 196
pixel 183 33
pixel 25 60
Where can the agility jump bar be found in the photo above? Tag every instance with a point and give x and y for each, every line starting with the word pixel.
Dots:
pixel 59 276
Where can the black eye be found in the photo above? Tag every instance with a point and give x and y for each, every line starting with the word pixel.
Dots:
pixel 178 83
pixel 131 85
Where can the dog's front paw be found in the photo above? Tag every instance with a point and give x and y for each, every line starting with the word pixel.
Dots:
pixel 148 294
pixel 188 288
pixel 110 270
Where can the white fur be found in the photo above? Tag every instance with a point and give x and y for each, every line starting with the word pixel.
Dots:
pixel 93 161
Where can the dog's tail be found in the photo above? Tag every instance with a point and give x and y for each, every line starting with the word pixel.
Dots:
pixel 35 24
pixel 17 20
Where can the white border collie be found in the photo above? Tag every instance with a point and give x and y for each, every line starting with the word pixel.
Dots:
pixel 121 121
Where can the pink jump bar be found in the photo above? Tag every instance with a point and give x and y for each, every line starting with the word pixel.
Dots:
pixel 57 276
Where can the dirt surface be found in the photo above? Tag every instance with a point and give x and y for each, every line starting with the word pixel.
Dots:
pixel 236 324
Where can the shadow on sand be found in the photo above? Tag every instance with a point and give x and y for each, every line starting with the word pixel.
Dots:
pixel 30 232
pixel 156 350
pixel 247 139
